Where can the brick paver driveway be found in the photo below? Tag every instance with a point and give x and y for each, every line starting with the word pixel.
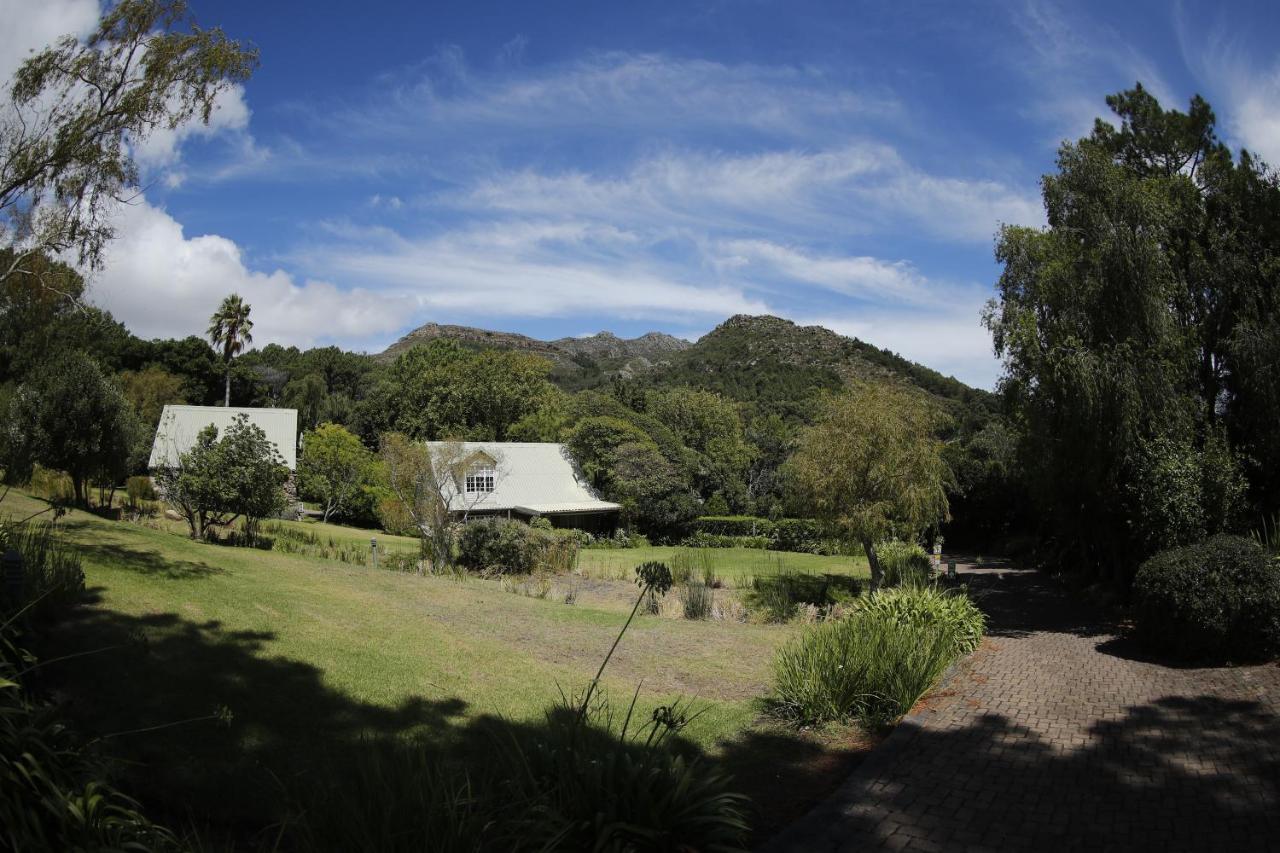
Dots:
pixel 1057 735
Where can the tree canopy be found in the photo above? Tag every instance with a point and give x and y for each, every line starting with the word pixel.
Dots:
pixel 872 467
pixel 1139 334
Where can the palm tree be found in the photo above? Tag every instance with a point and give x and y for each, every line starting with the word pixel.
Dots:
pixel 230 329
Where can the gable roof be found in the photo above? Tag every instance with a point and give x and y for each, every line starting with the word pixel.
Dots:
pixel 179 426
pixel 532 477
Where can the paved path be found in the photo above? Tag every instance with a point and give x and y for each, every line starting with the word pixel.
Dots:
pixel 1057 735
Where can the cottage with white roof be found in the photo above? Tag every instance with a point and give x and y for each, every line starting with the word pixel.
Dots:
pixel 526 480
pixel 180 425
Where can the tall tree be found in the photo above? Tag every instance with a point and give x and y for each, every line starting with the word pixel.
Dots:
pixel 76 108
pixel 230 329
pixel 75 419
pixel 334 469
pixel 1130 331
pixel 872 467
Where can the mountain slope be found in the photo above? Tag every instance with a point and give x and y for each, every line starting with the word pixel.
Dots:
pixel 780 366
pixel 576 362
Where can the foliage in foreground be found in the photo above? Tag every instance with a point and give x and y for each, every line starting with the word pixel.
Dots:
pixel 1219 597
pixel 877 663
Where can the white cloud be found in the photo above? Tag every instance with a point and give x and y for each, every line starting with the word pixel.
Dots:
pixel 1246 93
pixel 858 187
pixel 860 276
pixel 1073 62
pixel 161 283
pixel 612 90
pixel 161 149
pixel 30 25
pixel 528 269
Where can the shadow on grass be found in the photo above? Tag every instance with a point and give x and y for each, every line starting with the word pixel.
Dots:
pixel 211 730
pixel 144 562
pixel 779 595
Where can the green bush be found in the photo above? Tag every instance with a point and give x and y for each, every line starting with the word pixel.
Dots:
pixel 139 489
pixel 778 595
pixel 53 579
pixel 955 613
pixel 511 547
pixel 53 486
pixel 723 540
pixel 696 599
pixel 732 525
pixel 620 539
pixel 875 664
pixel 903 563
pixel 1217 598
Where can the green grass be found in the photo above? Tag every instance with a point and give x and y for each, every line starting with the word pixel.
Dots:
pixel 244 666
pixel 734 565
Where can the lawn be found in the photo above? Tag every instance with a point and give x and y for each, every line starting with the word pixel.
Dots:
pixel 220 674
pixel 733 564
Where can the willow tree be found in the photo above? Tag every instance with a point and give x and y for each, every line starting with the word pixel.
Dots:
pixel 229 330
pixel 77 109
pixel 872 468
pixel 1139 336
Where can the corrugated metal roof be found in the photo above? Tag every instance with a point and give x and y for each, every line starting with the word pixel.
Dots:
pixel 534 476
pixel 179 426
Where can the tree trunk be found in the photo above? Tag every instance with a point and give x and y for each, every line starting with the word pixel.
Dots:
pixel 77 485
pixel 227 399
pixel 877 576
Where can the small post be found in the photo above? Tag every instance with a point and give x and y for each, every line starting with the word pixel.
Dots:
pixel 14 578
pixel 951 570
pixel 373 550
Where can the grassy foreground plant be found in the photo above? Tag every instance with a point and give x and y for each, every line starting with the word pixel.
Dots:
pixel 877 663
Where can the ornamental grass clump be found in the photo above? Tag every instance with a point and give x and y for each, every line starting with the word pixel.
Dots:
pixel 876 663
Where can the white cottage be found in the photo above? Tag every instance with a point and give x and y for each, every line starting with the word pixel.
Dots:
pixel 179 426
pixel 526 480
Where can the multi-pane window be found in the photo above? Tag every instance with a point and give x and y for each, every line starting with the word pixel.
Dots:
pixel 480 479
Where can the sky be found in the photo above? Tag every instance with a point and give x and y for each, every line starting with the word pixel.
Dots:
pixel 560 168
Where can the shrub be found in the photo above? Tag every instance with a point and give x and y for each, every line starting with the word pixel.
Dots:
pixel 52 575
pixel 53 486
pixel 688 563
pixel 620 539
pixel 877 663
pixel 139 489
pixel 955 613
pixel 722 540
pixel 1219 597
pixel 511 547
pixel 696 599
pixel 733 525
pixel 903 563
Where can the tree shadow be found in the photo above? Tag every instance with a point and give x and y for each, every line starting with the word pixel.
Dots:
pixel 1019 602
pixel 210 729
pixel 1186 773
pixel 145 562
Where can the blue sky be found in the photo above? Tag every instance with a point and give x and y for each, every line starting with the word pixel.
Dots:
pixel 559 168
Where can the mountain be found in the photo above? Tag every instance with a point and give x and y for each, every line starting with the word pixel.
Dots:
pixel 576 362
pixel 779 366
pixel 767 362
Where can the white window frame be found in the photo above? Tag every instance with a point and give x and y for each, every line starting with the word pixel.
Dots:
pixel 481 478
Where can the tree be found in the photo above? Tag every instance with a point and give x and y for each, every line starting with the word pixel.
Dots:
pixel 309 396
pixel 872 467
pixel 230 328
pixel 427 486
pixel 335 468
pixel 150 390
pixel 443 389
pixel 76 110
pixel 73 418
pixel 218 480
pixel 711 426
pixel 1137 332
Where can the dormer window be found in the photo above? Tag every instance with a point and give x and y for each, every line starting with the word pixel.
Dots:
pixel 480 478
